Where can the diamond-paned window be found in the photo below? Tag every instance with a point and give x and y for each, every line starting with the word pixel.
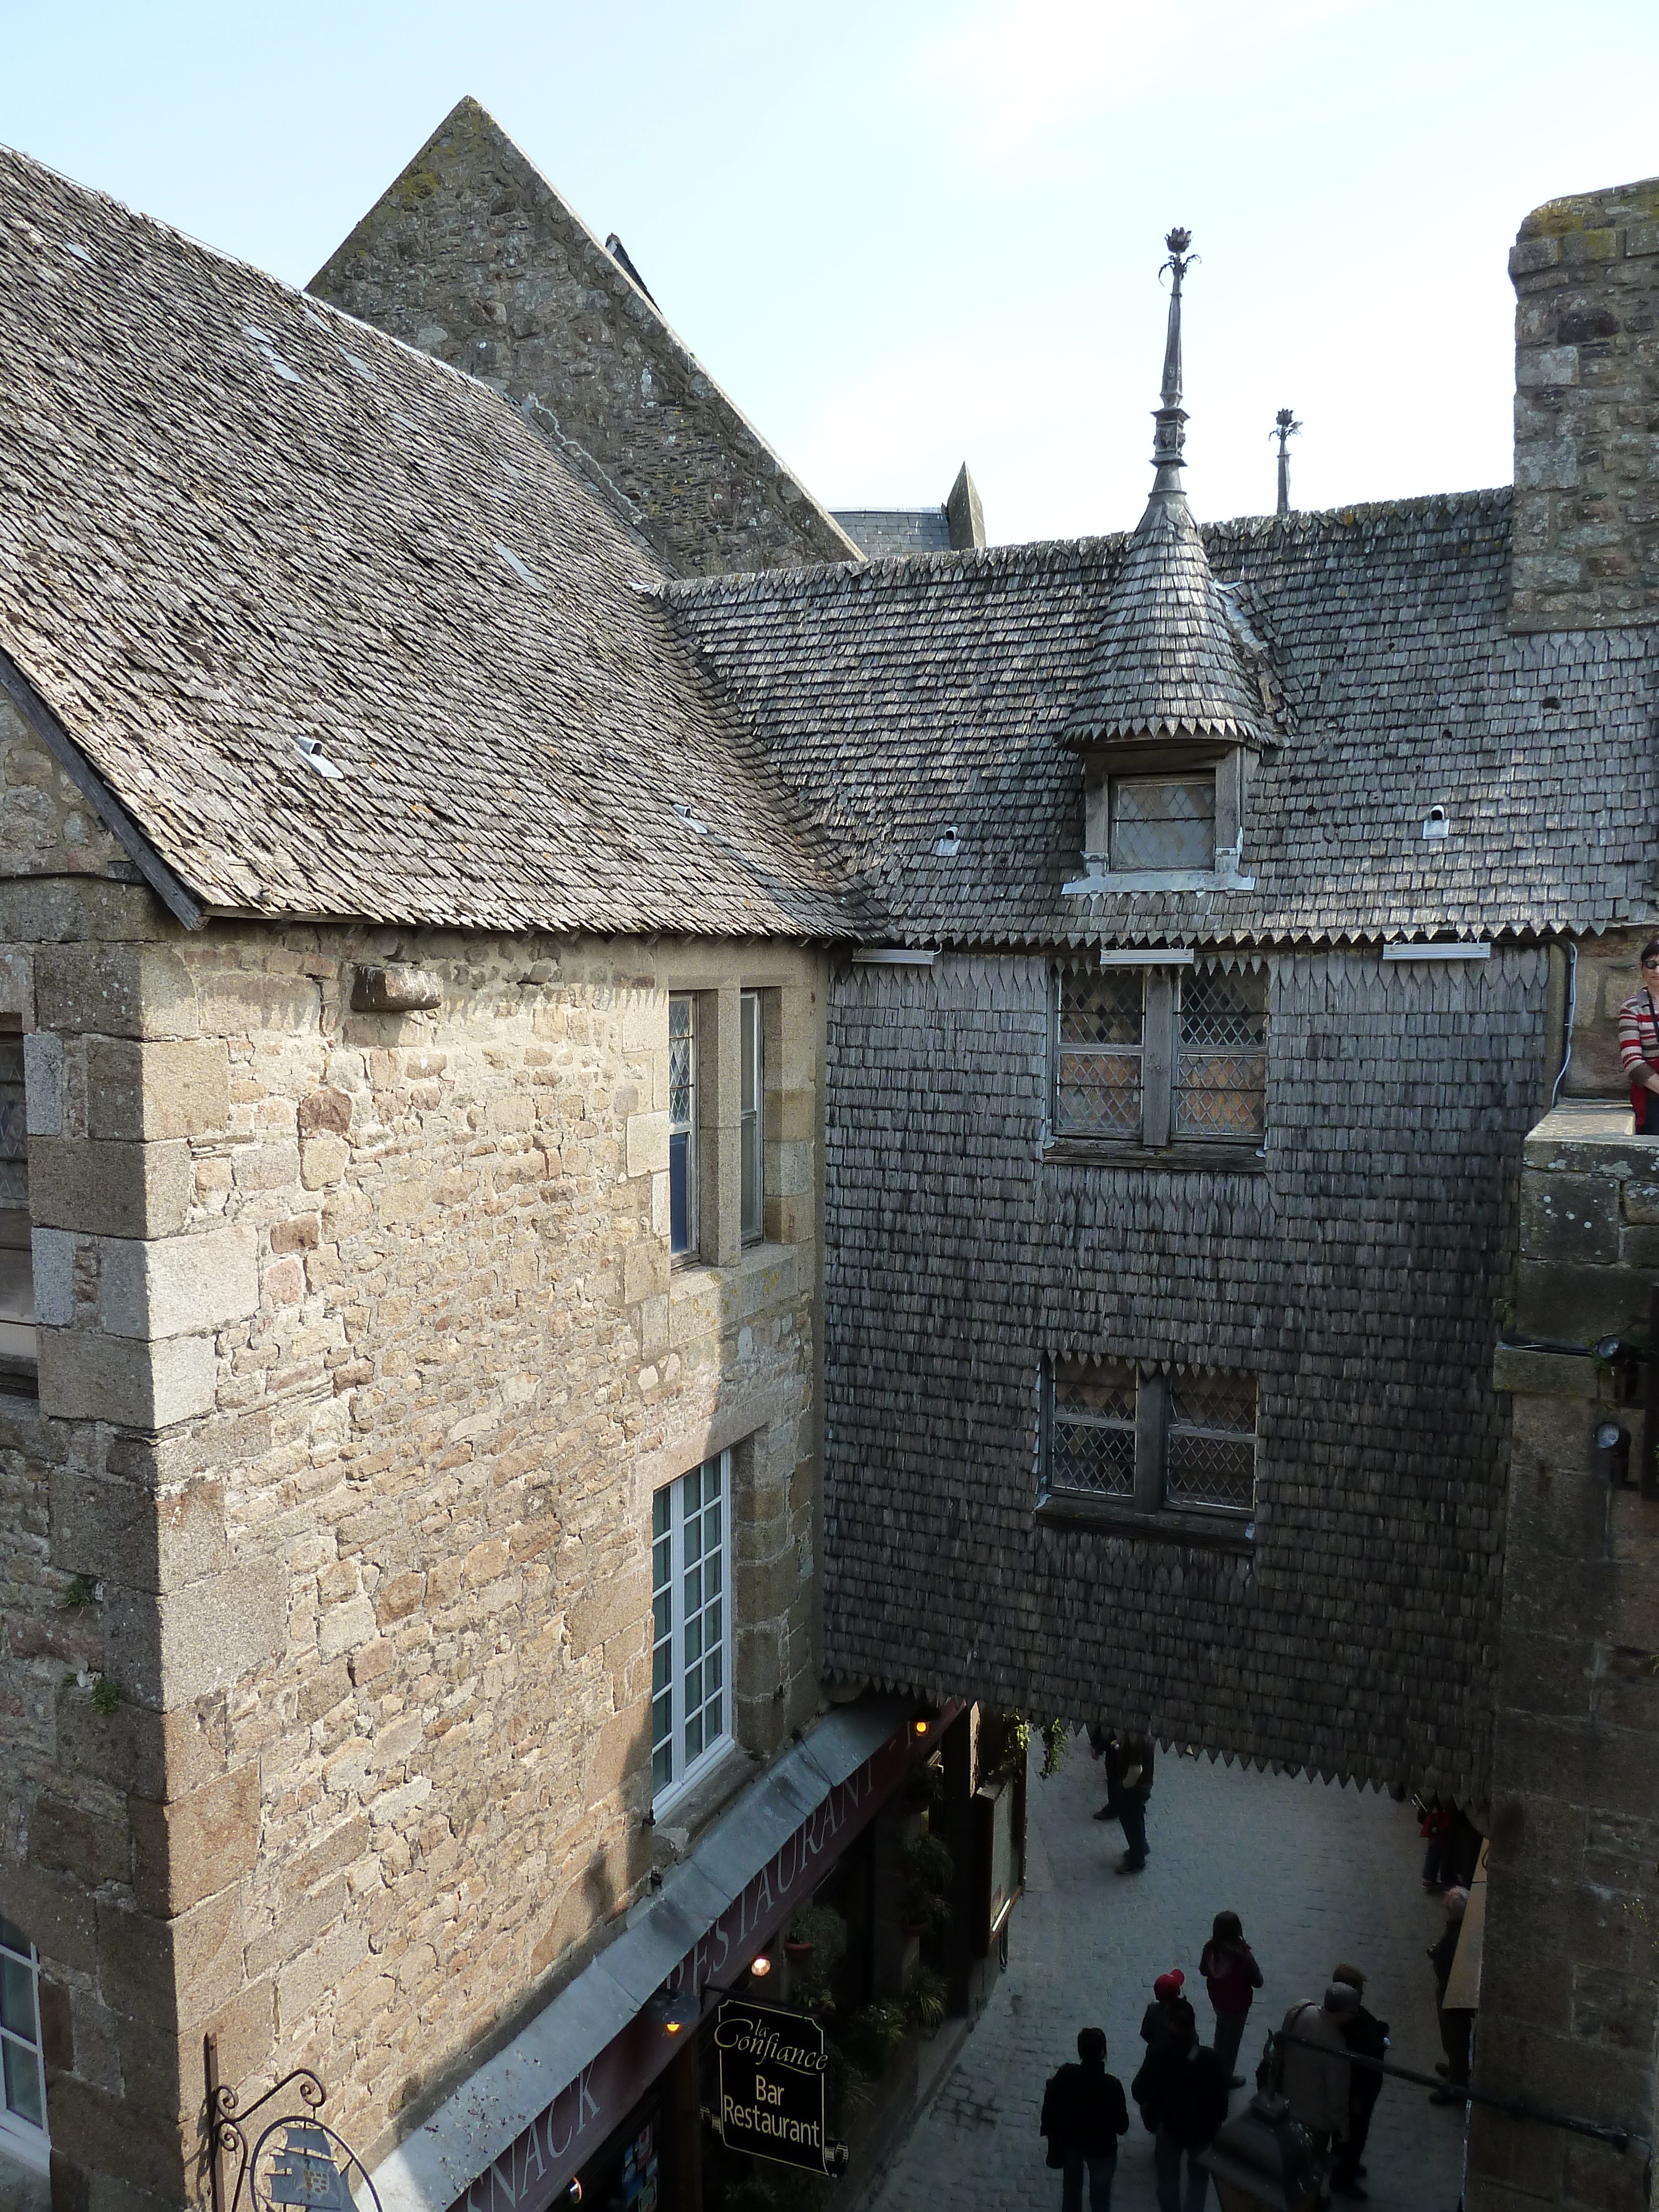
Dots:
pixel 1092 1436
pixel 1101 1019
pixel 1162 822
pixel 1211 1441
pixel 1221 1055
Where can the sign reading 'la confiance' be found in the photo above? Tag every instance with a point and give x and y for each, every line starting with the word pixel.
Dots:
pixel 774 2074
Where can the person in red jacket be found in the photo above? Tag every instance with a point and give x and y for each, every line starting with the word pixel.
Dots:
pixel 1639 1043
pixel 1233 1977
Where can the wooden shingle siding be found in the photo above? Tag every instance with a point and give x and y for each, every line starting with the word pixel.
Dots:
pixel 1359 1279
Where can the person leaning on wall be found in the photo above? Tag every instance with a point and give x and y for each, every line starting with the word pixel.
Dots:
pixel 1639 1043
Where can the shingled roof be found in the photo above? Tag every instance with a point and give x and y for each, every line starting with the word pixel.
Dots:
pixel 1167 662
pixel 904 697
pixel 235 524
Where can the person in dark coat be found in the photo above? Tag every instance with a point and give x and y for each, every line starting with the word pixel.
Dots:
pixel 1368 2038
pixel 1128 1757
pixel 1168 2013
pixel 1084 2114
pixel 1456 2021
pixel 1182 2095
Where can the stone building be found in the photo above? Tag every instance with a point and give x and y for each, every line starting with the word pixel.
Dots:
pixel 411 1027
pixel 1072 1012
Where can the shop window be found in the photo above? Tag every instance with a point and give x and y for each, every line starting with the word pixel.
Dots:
pixel 683 1164
pixel 752 1118
pixel 1173 1052
pixel 1153 1441
pixel 23 2118
pixel 17 1337
pixel 691 1625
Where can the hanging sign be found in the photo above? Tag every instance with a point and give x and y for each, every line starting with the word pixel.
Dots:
pixel 774 2076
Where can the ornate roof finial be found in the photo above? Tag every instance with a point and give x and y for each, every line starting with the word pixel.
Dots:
pixel 1170 435
pixel 1288 427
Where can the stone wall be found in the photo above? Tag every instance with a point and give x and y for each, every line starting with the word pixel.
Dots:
pixel 362 1357
pixel 1586 273
pixel 472 255
pixel 1570 1979
pixel 46 827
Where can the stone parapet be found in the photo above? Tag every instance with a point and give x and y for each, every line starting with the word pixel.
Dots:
pixel 1569 2012
pixel 1586 546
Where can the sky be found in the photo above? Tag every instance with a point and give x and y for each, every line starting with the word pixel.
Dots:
pixel 903 234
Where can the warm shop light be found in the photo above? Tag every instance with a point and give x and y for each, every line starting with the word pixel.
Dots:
pixel 761 1968
pixel 920 1728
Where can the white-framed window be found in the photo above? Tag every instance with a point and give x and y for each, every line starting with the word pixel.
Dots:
pixel 691 1625
pixel 17 1336
pixel 682 1166
pixel 1139 1437
pixel 1163 1054
pixel 22 2067
pixel 752 1118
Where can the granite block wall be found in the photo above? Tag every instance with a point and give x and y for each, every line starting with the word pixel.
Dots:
pixel 1586 546
pixel 1361 1276
pixel 362 1357
pixel 1568 1992
pixel 472 255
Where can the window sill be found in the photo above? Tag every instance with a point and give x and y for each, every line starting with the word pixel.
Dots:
pixel 690 1274
pixel 1104 882
pixel 1214 1532
pixel 1092 1152
pixel 688 1808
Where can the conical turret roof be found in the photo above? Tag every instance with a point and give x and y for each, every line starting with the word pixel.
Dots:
pixel 1168 663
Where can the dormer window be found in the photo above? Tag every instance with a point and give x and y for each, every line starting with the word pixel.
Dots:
pixel 1162 821
pixel 1163 818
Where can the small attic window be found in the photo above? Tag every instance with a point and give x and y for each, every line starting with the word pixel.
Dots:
pixel 310 751
pixel 1435 823
pixel 1162 822
pixel 948 843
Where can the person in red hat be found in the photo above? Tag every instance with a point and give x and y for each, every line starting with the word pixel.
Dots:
pixel 1169 2016
pixel 1182 2095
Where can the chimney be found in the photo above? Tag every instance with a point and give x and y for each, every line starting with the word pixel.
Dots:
pixel 1586 544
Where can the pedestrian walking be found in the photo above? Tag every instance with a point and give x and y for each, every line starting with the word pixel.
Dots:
pixel 1312 2071
pixel 1083 2115
pixel 1639 1043
pixel 1169 2016
pixel 1128 1757
pixel 1182 2095
pixel 1232 1979
pixel 1436 1831
pixel 1456 2021
pixel 1367 2037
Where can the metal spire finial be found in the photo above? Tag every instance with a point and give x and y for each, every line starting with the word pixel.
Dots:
pixel 1171 434
pixel 1288 427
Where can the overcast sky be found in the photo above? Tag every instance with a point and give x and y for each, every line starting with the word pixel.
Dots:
pixel 902 233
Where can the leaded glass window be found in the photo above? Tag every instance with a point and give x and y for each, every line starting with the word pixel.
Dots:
pixel 1092 1430
pixel 1211 1441
pixel 1221 1055
pixel 691 1629
pixel 1162 822
pixel 1100 1028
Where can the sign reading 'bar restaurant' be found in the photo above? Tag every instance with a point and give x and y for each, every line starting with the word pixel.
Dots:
pixel 774 2071
pixel 530 2172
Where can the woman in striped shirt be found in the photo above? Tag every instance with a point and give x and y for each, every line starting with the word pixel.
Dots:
pixel 1638 1042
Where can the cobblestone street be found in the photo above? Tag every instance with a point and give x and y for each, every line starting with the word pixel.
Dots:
pixel 1316 1874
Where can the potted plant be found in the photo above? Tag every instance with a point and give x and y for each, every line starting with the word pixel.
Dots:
pixel 925 1906
pixel 815 1936
pixel 924 1998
